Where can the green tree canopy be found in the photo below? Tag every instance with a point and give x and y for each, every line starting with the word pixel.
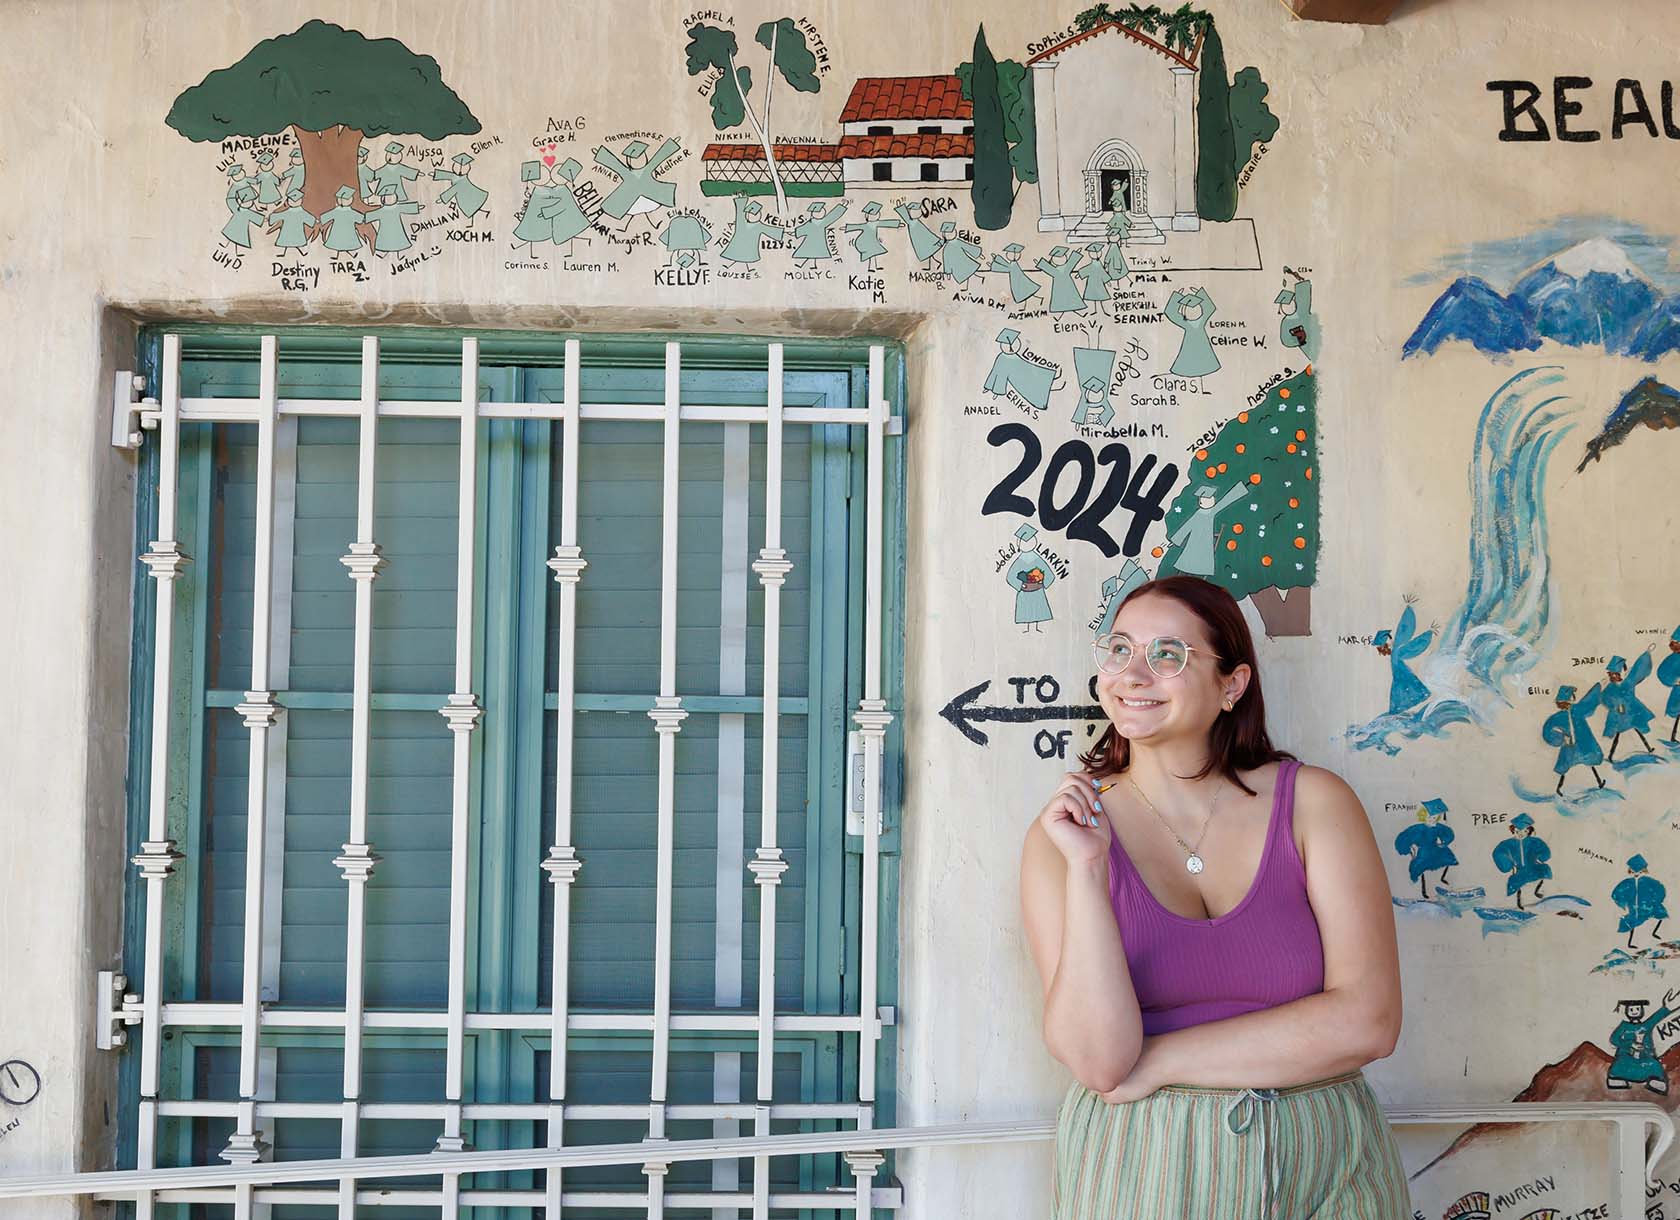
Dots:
pixel 789 54
pixel 994 191
pixel 709 47
pixel 1216 169
pixel 1252 121
pixel 1020 124
pixel 322 76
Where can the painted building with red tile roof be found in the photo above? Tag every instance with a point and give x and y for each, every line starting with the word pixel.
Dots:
pixel 740 169
pixel 907 130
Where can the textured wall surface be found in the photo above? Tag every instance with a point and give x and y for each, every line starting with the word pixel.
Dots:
pixel 1434 393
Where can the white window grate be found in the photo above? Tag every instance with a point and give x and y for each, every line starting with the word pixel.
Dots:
pixel 260 710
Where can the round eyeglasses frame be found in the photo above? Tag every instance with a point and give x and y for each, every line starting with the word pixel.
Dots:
pixel 1101 648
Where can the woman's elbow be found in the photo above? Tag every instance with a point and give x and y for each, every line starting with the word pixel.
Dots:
pixel 1382 1032
pixel 1098 1068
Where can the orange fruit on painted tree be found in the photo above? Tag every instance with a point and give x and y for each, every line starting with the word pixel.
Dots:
pixel 1300 544
pixel 1309 472
pixel 1237 528
pixel 1223 468
pixel 1290 446
pixel 1212 470
pixel 1254 478
pixel 1201 455
pixel 1300 434
pixel 1294 503
pixel 1242 448
pixel 1265 561
pixel 1242 417
pixel 1231 545
pixel 1284 393
pixel 1156 552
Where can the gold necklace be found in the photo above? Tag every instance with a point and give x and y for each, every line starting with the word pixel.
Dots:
pixel 1193 863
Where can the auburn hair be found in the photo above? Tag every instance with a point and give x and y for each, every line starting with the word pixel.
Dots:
pixel 1238 740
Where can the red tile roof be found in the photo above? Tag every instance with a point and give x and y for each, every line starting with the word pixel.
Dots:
pixel 1134 35
pixel 942 145
pixel 784 152
pixel 906 97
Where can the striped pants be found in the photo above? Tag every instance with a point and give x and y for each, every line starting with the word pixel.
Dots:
pixel 1320 1151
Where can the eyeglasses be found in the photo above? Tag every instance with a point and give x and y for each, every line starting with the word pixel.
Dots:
pixel 1166 655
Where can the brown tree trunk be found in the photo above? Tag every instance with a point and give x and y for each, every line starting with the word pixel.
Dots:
pixel 1291 615
pixel 329 162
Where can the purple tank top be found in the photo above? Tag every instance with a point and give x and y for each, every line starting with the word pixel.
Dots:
pixel 1263 952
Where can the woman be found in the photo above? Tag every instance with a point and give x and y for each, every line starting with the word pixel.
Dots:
pixel 1212 926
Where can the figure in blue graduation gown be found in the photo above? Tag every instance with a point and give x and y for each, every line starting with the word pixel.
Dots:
pixel 1011 370
pixel 1030 574
pixel 1022 287
pixel 1568 730
pixel 1427 843
pixel 1640 896
pixel 1405 689
pixel 1637 1061
pixel 1668 673
pixel 1523 858
pixel 1623 710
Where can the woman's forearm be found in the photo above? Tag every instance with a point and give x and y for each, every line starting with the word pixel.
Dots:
pixel 1304 1040
pixel 1091 1018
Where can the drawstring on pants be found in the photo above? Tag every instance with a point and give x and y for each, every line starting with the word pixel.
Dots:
pixel 1240 1115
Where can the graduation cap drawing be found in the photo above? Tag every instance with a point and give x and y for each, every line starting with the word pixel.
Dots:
pixel 345 194
pixel 1027 532
pixel 530 171
pixel 635 148
pixel 1009 336
pixel 1566 694
pixel 873 208
pixel 569 169
pixel 265 155
pixel 1013 247
pixel 1521 822
pixel 394 147
pixel 1626 1005
pixel 462 159
pixel 1059 252
pixel 1094 384
pixel 294 196
pixel 1617 665
pixel 1435 806
pixel 236 171
pixel 948 226
pixel 361 153
pixel 1206 489
pixel 1676 636
pixel 297 154
pixel 1094 248
pixel 1385 636
pixel 1637 863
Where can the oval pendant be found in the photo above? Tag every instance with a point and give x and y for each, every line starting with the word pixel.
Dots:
pixel 1193 864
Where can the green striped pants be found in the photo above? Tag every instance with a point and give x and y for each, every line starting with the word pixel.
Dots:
pixel 1321 1151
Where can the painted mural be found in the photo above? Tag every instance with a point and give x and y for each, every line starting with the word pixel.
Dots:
pixel 1579 720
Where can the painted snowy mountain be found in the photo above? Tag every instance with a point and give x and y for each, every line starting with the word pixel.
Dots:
pixel 1590 295
pixel 1651 403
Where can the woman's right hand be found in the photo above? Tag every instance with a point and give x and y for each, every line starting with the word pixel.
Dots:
pixel 1073 819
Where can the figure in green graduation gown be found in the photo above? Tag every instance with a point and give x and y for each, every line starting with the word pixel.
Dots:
pixel 294 225
pixel 866 235
pixel 1637 1061
pixel 468 197
pixel 394 175
pixel 241 194
pixel 1198 534
pixel 342 233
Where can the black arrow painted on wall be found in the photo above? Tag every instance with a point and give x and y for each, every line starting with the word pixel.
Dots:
pixel 963 712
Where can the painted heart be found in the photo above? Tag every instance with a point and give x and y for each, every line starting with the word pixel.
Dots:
pixel 548 158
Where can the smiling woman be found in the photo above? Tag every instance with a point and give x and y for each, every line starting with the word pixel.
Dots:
pixel 1215 945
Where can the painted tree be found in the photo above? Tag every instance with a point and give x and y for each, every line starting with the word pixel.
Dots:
pixel 1020 123
pixel 713 48
pixel 1216 170
pixel 1091 18
pixel 1145 19
pixel 1252 121
pixel 331 87
pixel 1266 543
pixel 994 190
pixel 1181 27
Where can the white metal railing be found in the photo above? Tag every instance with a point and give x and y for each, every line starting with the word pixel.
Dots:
pixel 1644 1133
pixel 261 709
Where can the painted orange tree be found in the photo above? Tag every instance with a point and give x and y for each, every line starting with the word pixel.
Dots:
pixel 1265 539
pixel 331 87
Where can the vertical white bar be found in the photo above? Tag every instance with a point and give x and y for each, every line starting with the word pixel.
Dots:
pixel 462 712
pixel 157 855
pixel 667 715
pixel 562 864
pixel 356 864
pixel 872 720
pixel 259 713
pixel 767 864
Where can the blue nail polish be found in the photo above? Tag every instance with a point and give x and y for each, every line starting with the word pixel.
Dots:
pixel 1097 805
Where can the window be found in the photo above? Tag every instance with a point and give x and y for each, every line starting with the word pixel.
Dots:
pixel 881 171
pixel 968 129
pixel 930 171
pixel 929 129
pixel 880 129
pixel 968 171
pixel 605 640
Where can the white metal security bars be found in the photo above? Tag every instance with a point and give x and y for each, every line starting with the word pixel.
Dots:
pixel 260 708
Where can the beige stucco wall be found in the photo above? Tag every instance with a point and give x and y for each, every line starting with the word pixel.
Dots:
pixel 1386 162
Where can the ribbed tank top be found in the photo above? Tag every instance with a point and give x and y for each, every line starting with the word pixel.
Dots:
pixel 1263 952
